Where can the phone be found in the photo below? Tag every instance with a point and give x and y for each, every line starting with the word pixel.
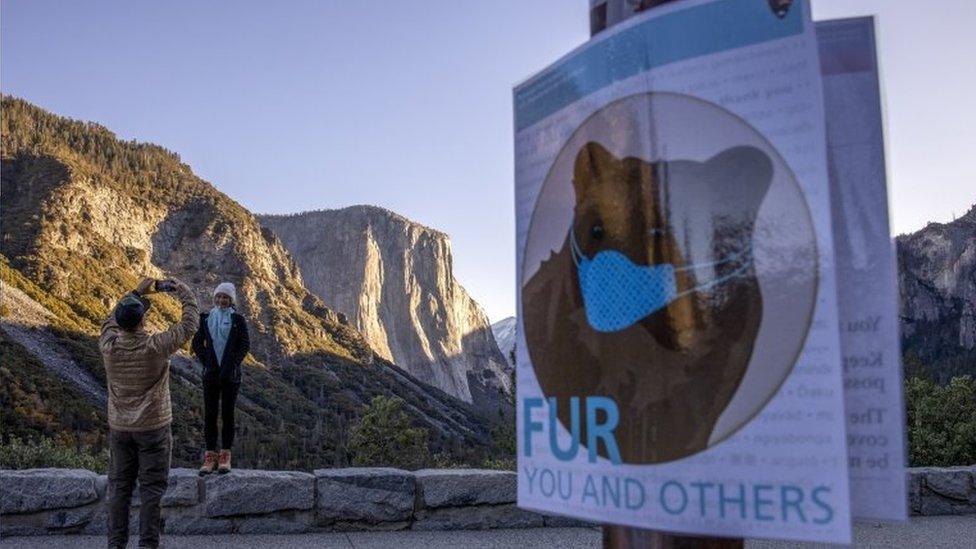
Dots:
pixel 165 285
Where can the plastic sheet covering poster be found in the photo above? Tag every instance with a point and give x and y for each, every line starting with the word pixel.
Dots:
pixel 867 287
pixel 679 363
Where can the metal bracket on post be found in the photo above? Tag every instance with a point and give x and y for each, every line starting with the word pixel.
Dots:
pixel 603 15
pixel 607 13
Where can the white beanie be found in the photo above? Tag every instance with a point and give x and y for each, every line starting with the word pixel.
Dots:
pixel 226 288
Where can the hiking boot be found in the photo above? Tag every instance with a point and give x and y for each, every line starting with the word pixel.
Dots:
pixel 223 461
pixel 209 463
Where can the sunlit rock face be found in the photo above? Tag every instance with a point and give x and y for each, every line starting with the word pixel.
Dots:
pixel 392 278
pixel 504 331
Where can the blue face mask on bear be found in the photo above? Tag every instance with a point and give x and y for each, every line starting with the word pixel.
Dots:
pixel 617 293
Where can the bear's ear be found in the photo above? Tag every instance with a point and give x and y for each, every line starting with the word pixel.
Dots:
pixel 739 177
pixel 716 199
pixel 591 161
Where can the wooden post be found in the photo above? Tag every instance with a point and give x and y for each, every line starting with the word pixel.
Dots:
pixel 623 537
pixel 603 15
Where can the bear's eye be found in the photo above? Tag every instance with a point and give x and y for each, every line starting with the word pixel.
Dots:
pixel 597 232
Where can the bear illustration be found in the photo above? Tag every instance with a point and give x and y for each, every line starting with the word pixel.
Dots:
pixel 673 371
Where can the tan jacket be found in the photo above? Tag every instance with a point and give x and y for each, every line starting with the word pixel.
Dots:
pixel 137 368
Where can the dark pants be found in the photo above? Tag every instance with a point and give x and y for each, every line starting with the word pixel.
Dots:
pixel 144 455
pixel 223 396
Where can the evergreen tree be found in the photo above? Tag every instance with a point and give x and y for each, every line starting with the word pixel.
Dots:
pixel 385 436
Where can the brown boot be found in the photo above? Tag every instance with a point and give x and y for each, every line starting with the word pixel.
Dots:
pixel 223 461
pixel 209 463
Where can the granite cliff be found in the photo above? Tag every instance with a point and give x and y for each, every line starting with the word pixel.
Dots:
pixel 504 331
pixel 393 279
pixel 937 275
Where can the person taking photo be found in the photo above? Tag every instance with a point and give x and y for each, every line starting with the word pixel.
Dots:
pixel 139 408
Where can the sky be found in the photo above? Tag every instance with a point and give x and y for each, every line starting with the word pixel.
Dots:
pixel 304 105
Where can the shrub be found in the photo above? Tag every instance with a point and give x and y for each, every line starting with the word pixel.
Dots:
pixel 499 464
pixel 31 454
pixel 941 421
pixel 503 439
pixel 385 436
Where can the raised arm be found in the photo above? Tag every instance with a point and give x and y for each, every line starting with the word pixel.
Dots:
pixel 166 343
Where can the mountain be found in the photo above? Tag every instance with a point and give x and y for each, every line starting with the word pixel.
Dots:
pixel 504 331
pixel 85 215
pixel 937 275
pixel 393 279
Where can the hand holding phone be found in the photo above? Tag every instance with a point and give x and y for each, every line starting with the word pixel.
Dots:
pixel 145 286
pixel 167 285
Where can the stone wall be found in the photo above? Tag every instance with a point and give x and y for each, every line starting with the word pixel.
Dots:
pixel 60 501
pixel 942 491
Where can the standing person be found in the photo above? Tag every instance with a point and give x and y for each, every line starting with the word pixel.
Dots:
pixel 221 343
pixel 139 408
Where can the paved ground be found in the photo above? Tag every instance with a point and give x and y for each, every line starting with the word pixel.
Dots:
pixel 927 532
pixel 948 532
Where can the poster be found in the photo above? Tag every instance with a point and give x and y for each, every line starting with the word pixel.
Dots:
pixel 867 289
pixel 678 351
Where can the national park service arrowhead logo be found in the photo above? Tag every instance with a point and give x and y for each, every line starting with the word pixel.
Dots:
pixel 780 7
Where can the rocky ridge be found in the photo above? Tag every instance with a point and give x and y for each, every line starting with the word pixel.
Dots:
pixel 86 214
pixel 504 331
pixel 937 276
pixel 393 279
